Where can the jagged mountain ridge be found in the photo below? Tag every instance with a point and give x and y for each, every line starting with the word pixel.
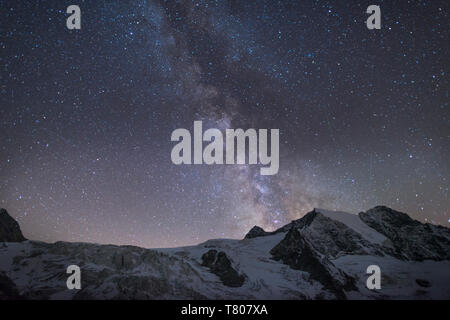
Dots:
pixel 323 255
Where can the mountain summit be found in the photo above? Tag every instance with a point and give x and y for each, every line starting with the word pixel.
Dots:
pixel 9 228
pixel 323 255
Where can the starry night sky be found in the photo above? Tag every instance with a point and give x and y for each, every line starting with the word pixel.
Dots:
pixel 86 115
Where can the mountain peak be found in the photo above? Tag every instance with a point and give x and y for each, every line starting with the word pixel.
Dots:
pixel 411 238
pixel 256 232
pixel 388 215
pixel 9 228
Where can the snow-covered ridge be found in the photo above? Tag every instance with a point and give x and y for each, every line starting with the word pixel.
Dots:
pixel 322 255
pixel 354 222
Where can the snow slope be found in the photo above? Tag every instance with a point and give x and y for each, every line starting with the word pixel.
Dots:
pixel 323 255
pixel 354 222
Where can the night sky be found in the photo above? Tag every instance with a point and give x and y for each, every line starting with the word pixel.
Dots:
pixel 87 115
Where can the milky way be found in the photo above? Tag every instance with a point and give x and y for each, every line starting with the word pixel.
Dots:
pixel 86 115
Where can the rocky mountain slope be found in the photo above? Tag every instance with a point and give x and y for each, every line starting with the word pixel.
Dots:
pixel 323 255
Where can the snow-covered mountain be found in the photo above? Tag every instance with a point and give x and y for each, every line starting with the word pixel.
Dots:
pixel 323 255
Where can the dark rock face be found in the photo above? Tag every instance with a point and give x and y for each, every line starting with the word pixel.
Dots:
pixel 412 239
pixel 312 242
pixel 331 238
pixel 296 251
pixel 256 232
pixel 220 265
pixel 8 290
pixel 9 228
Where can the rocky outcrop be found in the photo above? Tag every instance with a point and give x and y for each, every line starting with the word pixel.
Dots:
pixel 8 290
pixel 302 250
pixel 332 238
pixel 256 232
pixel 9 228
pixel 412 239
pixel 314 241
pixel 220 265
